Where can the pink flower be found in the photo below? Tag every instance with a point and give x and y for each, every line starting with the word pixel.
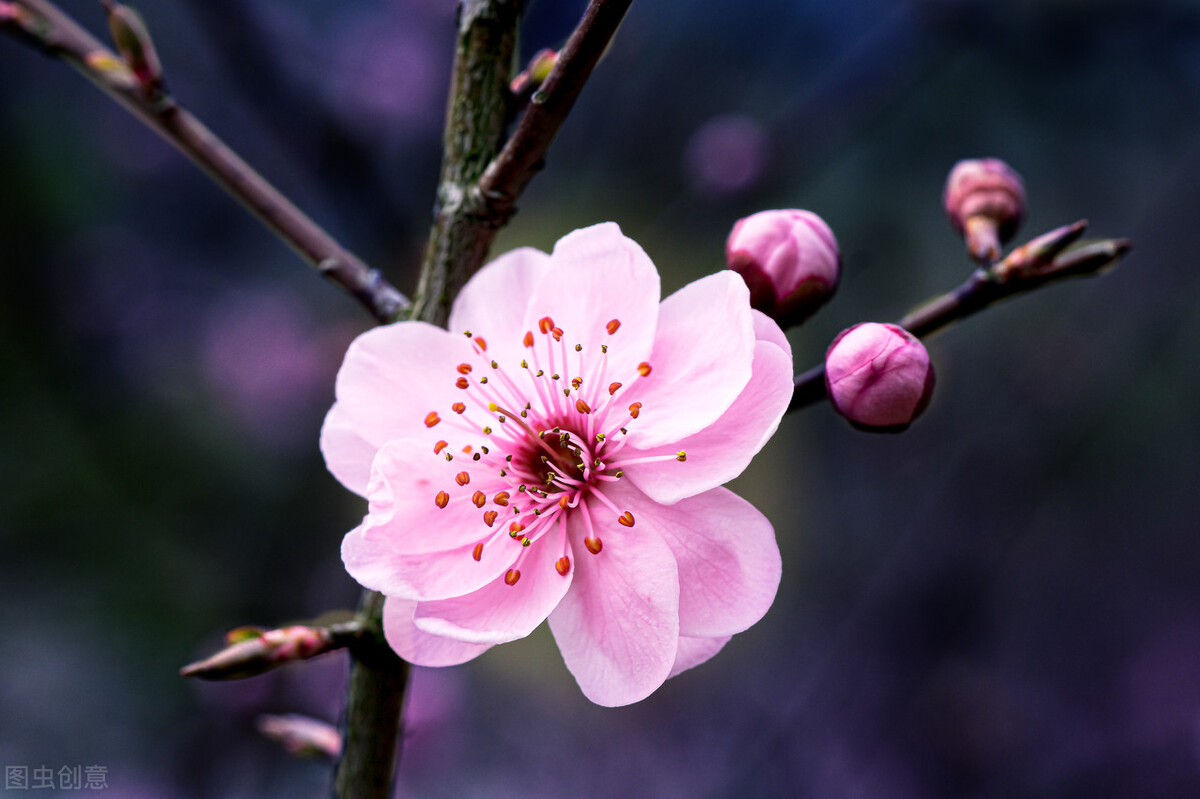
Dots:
pixel 558 456
pixel 878 376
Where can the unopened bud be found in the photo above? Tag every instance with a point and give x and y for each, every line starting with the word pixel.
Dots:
pixel 535 74
pixel 878 376
pixel 251 652
pixel 789 260
pixel 301 735
pixel 985 201
pixel 134 44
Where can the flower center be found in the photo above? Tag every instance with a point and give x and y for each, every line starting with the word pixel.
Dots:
pixel 536 439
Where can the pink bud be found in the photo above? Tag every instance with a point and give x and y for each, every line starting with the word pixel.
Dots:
pixel 790 261
pixel 878 376
pixel 985 201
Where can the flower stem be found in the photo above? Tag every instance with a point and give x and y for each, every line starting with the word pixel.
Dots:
pixel 41 23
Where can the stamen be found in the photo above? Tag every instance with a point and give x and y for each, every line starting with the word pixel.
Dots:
pixel 462 382
pixel 528 342
pixel 634 410
pixel 644 369
pixel 438 447
pixel 477 552
pixel 489 517
pixel 545 324
pixel 557 333
pixel 582 406
pixel 479 342
pixel 501 498
pixel 458 408
pixel 612 388
pixel 563 565
pixel 613 326
pixel 442 499
pixel 479 498
pixel 593 544
pixel 464 368
pixel 432 418
pixel 576 382
pixel 626 519
pixel 511 576
pixel 462 478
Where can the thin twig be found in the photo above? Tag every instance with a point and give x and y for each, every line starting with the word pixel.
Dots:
pixel 41 23
pixel 1043 265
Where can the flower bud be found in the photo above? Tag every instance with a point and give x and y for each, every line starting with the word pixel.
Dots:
pixel 789 260
pixel 985 201
pixel 135 45
pixel 878 376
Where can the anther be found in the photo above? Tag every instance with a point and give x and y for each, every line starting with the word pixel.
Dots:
pixel 604 348
pixel 612 388
pixel 462 382
pixel 495 365
pixel 458 408
pixel 681 456
pixel 579 348
pixel 487 431
pixel 467 449
pixel 511 576
pixel 432 418
pixel 526 541
pixel 545 324
pixel 516 527
pixel 438 447
pixel 479 498
pixel 576 382
pixel 562 565
pixel 482 380
pixel 600 437
pixel 479 342
pixel 563 502
pixel 462 478
pixel 557 333
pixel 489 517
pixel 527 341
pixel 626 519
pixel 449 457
pixel 477 552
pixel 464 368
pixel 634 410
pixel 566 392
pixel 644 369
pixel 613 326
pixel 501 498
pixel 442 499
pixel 475 457
pixel 593 544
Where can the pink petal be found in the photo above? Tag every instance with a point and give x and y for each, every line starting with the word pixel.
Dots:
pixel 727 558
pixel 419 647
pixel 372 560
pixel 618 626
pixel 500 612
pixel 765 329
pixel 694 651
pixel 492 303
pixel 599 275
pixel 700 363
pixel 721 451
pixel 392 377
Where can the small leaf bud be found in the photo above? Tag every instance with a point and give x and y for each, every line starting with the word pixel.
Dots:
pixel 789 260
pixel 878 376
pixel 984 199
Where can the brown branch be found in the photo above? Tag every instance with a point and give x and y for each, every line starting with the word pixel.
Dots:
pixel 1042 261
pixel 475 200
pixel 41 23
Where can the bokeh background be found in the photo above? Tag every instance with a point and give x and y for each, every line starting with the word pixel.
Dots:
pixel 1002 602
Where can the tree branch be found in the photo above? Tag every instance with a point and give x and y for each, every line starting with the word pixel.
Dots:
pixel 41 23
pixel 1040 262
pixel 475 200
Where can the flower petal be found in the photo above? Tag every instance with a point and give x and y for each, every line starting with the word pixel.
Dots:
pixel 492 303
pixel 721 451
pixel 600 275
pixel 419 647
pixel 618 626
pixel 694 651
pixel 500 612
pixel 700 363
pixel 726 555
pixel 765 329
pixel 392 377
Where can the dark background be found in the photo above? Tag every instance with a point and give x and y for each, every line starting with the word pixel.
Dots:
pixel 1002 602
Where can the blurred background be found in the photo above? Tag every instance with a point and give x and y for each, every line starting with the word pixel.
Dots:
pixel 1002 602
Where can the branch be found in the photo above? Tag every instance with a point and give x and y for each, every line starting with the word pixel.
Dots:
pixel 41 23
pixel 477 198
pixel 1042 261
